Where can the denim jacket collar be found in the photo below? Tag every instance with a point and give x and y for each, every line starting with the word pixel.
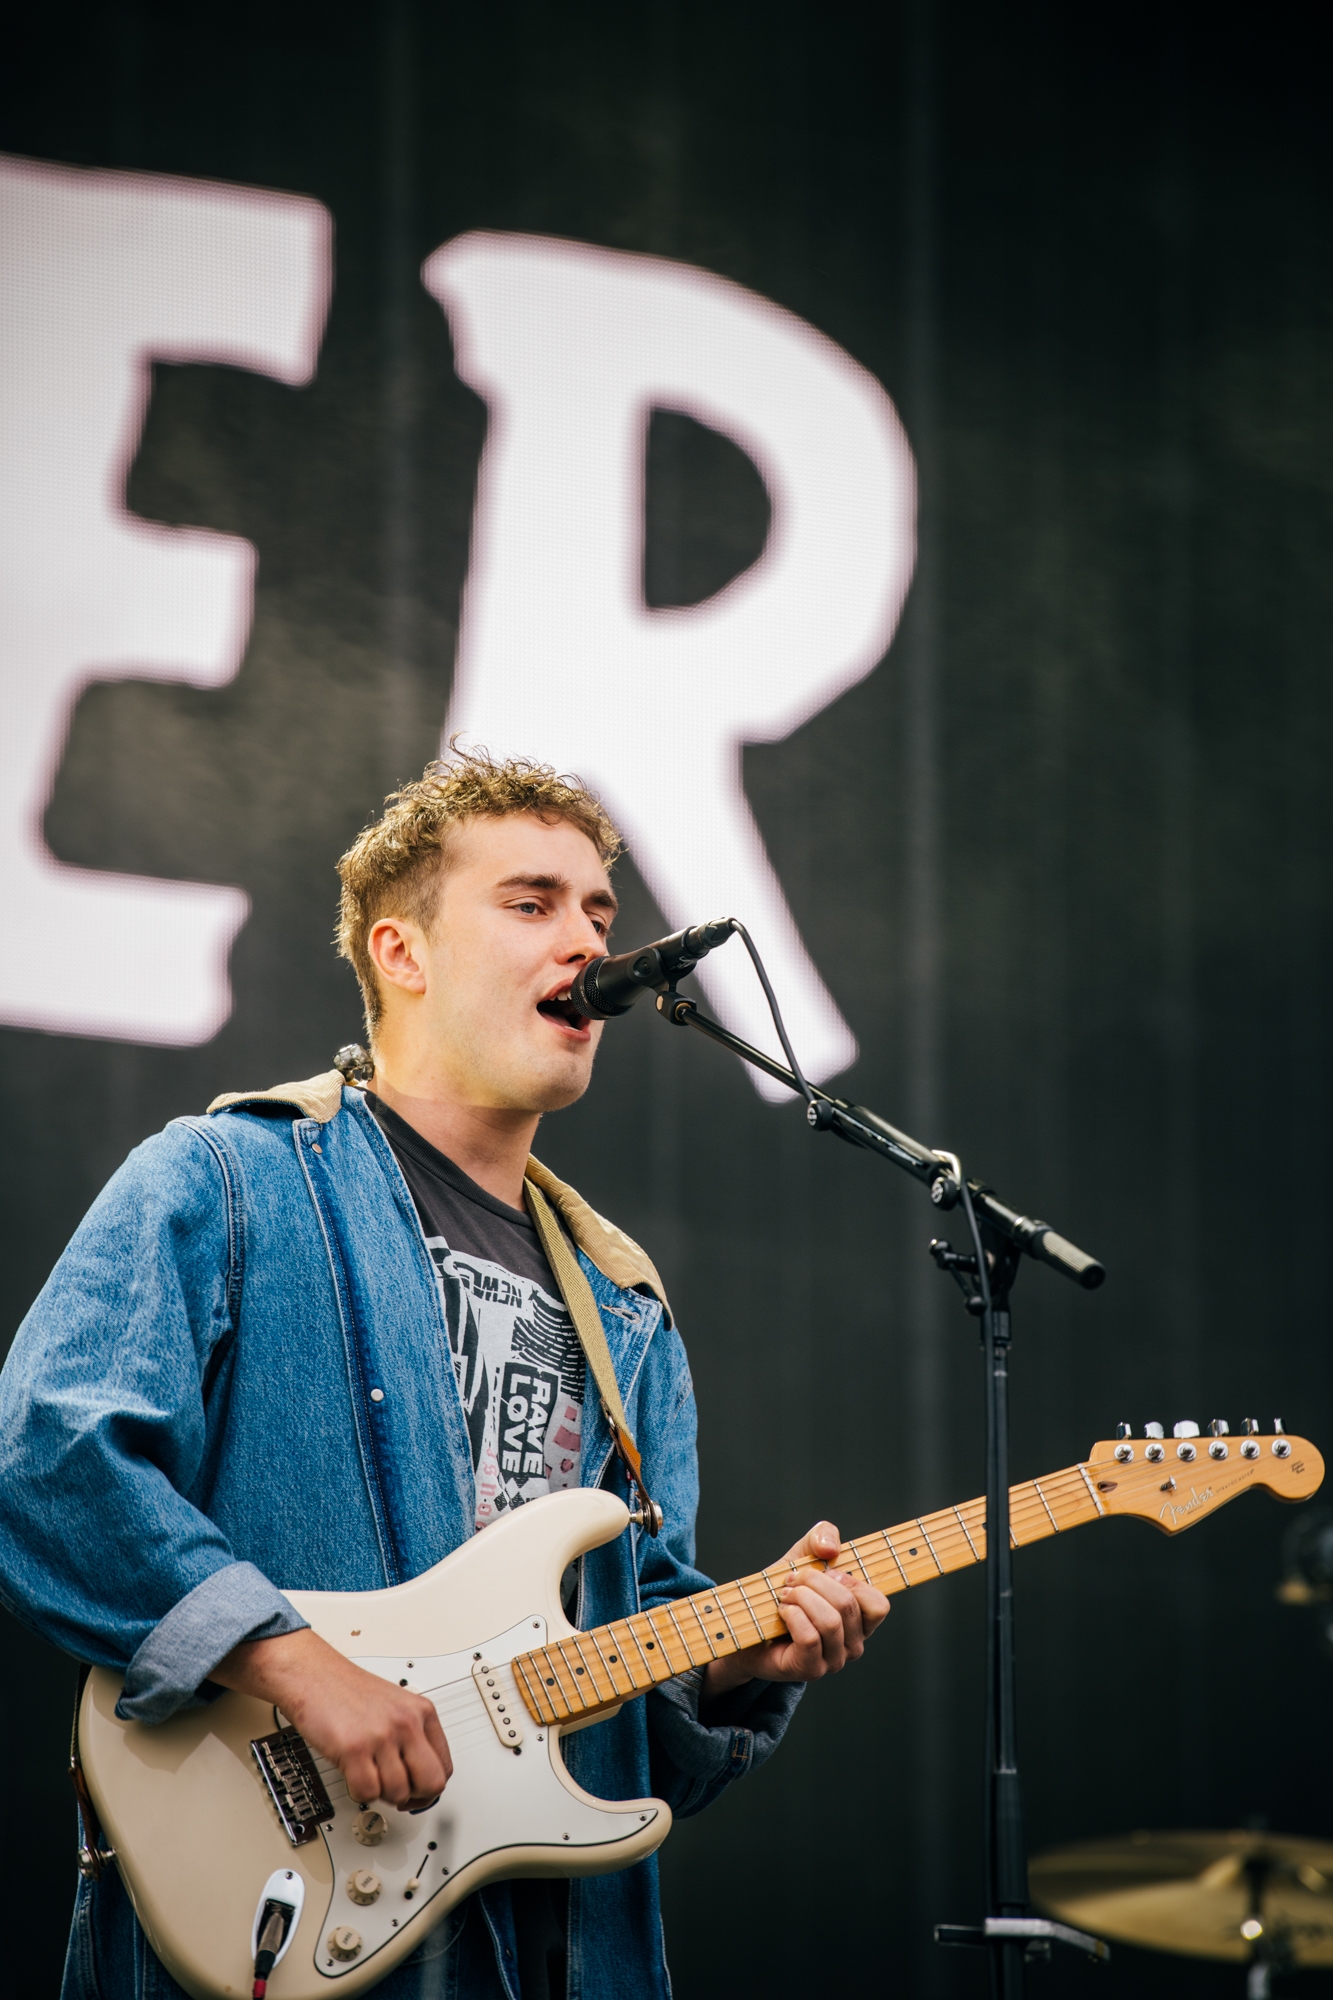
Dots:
pixel 617 1256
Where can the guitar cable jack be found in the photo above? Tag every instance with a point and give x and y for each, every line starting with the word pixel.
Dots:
pixel 271 1934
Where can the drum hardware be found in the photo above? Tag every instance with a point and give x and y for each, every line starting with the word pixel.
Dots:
pixel 1259 1899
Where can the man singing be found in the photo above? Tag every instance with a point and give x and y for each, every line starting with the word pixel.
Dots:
pixel 277 1352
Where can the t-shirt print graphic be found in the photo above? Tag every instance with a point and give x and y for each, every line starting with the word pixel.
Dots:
pixel 521 1377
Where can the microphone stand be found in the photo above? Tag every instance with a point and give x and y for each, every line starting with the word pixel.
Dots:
pixel 1000 1237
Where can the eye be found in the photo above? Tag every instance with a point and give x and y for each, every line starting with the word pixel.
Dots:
pixel 528 906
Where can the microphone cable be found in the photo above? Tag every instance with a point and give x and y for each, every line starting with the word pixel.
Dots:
pixel 739 928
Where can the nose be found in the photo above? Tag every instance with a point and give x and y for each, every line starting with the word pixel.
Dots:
pixel 583 941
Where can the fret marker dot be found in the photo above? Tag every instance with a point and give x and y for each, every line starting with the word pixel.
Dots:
pixel 650 1646
pixel 578 1670
pixel 613 1659
pixel 550 1682
pixel 911 1552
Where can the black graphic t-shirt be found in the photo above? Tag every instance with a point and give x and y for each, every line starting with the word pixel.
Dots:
pixel 519 1364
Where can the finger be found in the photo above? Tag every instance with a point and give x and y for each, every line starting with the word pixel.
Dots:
pixel 425 1766
pixel 801 1629
pixel 863 1607
pixel 362 1775
pixel 831 1590
pixel 820 1545
pixel 874 1607
pixel 835 1590
pixel 439 1742
pixel 826 1621
pixel 394 1784
pixel 832 1584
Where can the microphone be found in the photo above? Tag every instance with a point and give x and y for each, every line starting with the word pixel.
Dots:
pixel 609 986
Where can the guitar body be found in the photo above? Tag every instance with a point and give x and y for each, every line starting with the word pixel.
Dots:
pixel 197 1835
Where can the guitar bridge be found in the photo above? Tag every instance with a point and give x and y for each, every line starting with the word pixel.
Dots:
pixel 294 1784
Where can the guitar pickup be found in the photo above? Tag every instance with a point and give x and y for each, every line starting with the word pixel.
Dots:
pixel 496 1688
pixel 294 1784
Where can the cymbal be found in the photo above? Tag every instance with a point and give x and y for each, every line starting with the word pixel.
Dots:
pixel 1193 1892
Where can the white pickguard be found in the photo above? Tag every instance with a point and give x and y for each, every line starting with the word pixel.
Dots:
pixel 497 1798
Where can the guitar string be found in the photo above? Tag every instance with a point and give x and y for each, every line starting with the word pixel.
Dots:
pixel 1031 1503
pixel 1032 1519
pixel 1031 1509
pixel 946 1530
pixel 459 1719
pixel 1071 1482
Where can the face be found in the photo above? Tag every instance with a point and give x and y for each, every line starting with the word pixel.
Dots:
pixel 523 905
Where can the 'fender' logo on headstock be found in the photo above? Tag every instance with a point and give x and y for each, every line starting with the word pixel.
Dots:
pixel 1178 1510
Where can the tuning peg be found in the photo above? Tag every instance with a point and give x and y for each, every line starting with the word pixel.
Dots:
pixel 1251 1427
pixel 1277 1426
pixel 1124 1431
pixel 1185 1429
pixel 1153 1431
pixel 1219 1427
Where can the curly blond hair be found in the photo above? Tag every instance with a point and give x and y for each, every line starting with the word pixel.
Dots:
pixel 393 866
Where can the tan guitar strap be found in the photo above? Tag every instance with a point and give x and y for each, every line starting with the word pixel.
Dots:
pixel 577 1295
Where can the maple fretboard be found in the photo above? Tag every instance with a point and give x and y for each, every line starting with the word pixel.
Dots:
pixel 598 1668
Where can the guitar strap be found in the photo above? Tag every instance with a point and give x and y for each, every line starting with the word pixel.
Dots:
pixel 577 1295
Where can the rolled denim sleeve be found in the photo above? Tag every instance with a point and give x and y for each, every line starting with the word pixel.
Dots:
pixel 226 1609
pixel 740 1733
pixel 103 1435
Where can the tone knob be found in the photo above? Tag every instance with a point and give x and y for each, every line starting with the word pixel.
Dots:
pixel 370 1827
pixel 344 1942
pixel 363 1886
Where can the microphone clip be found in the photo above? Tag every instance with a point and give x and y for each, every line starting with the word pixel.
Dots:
pixel 607 987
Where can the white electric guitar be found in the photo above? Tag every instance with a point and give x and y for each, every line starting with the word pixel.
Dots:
pixel 224 1825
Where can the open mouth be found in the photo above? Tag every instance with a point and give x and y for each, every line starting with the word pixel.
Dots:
pixel 558 1008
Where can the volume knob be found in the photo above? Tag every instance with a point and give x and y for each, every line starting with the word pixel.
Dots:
pixel 344 1942
pixel 370 1827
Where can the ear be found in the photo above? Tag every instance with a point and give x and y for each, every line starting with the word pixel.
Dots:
pixel 396 951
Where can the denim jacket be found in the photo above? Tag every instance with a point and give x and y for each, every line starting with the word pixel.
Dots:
pixel 238 1380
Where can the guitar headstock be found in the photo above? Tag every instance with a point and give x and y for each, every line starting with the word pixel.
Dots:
pixel 1174 1481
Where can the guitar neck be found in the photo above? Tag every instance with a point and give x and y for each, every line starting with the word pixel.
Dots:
pixel 611 1663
